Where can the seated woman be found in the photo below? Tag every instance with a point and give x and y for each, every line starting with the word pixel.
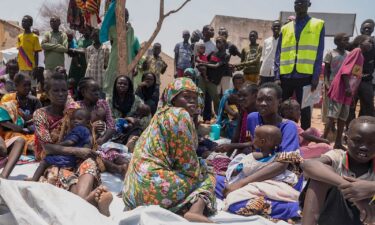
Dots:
pixel 165 169
pixel 148 91
pixel 312 145
pixel 124 105
pixel 228 113
pixel 49 130
pixel 267 104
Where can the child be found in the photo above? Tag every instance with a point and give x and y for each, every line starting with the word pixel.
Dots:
pixel 191 73
pixel 267 139
pixel 201 58
pixel 79 136
pixel 324 203
pixel 344 87
pixel 290 109
pixel 155 64
pixel 11 71
pixel 97 56
pixel 71 86
pixel 333 61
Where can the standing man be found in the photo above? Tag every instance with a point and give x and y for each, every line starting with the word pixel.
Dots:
pixel 250 59
pixel 55 45
pixel 183 55
pixel 267 72
pixel 28 48
pixel 366 89
pixel 299 56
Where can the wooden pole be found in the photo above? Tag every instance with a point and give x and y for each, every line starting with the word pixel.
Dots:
pixel 121 38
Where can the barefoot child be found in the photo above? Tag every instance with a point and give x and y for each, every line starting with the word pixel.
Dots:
pixel 267 141
pixel 290 109
pixel 324 203
pixel 344 86
pixel 79 136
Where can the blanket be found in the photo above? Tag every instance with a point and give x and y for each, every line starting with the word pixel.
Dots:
pixel 274 190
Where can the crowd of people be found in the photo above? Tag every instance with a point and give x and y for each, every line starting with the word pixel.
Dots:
pixel 64 103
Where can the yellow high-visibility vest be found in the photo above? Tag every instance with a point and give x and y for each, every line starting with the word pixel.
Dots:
pixel 307 47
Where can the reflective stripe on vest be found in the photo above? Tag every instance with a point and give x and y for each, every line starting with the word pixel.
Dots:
pixel 308 44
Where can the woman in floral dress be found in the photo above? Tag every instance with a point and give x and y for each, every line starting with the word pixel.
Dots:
pixel 165 169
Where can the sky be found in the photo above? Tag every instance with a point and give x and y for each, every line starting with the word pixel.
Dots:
pixel 197 13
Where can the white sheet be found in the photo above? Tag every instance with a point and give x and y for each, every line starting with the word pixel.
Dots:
pixel 35 203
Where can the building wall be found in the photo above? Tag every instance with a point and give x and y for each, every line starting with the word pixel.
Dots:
pixel 239 29
pixel 8 35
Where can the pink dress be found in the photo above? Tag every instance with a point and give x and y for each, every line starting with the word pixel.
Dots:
pixel 311 150
pixel 351 67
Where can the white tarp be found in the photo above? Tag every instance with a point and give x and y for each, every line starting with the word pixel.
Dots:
pixel 34 203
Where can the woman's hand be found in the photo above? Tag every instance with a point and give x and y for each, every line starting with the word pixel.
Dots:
pixel 223 148
pixel 84 153
pixel 99 126
pixel 357 190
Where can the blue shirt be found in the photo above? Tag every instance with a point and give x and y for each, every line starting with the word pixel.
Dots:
pixel 290 138
pixel 299 25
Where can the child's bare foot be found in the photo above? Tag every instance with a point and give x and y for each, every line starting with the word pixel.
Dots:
pixel 131 143
pixel 104 199
pixel 197 218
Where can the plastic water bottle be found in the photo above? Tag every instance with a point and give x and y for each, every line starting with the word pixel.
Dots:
pixel 215 130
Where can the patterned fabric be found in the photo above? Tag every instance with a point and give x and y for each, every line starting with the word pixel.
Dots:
pixel 97 61
pixel 9 112
pixel 101 103
pixel 165 169
pixel 66 177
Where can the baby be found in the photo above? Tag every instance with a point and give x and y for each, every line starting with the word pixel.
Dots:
pixel 79 136
pixel 266 140
pixel 280 188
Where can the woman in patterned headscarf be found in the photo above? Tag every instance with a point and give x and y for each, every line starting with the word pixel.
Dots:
pixel 165 169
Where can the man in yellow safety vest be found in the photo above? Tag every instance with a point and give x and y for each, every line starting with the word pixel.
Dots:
pixel 299 56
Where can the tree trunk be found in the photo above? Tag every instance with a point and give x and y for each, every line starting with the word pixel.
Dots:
pixel 121 38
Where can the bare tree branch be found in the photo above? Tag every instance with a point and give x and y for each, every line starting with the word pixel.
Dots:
pixel 121 38
pixel 49 9
pixel 178 9
pixel 147 45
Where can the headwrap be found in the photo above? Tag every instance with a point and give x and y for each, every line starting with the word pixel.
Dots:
pixel 191 71
pixel 173 89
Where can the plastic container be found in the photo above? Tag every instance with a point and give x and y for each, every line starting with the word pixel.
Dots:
pixel 215 132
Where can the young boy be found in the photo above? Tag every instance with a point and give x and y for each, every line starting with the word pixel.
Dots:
pixel 344 86
pixel 97 56
pixel 324 203
pixel 11 69
pixel 28 48
pixel 155 64
pixel 333 61
pixel 250 59
pixel 55 45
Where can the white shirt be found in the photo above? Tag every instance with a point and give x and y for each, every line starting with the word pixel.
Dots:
pixel 268 57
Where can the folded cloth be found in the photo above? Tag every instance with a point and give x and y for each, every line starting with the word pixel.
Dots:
pixel 274 190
